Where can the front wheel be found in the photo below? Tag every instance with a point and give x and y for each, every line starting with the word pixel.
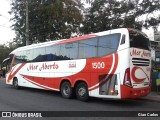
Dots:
pixel 66 90
pixel 15 83
pixel 82 92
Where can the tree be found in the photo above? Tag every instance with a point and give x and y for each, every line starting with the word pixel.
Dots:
pixel 58 19
pixel 48 19
pixel 4 52
pixel 110 14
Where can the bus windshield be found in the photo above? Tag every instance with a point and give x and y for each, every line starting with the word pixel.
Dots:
pixel 138 40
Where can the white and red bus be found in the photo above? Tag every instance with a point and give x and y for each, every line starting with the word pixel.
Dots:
pixel 109 64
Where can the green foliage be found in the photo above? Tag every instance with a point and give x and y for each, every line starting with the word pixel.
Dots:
pixel 4 51
pixel 110 14
pixel 48 19
pixel 58 19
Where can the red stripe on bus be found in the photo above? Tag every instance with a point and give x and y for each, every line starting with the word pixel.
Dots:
pixel 76 39
pixel 110 76
pixel 48 82
pixel 37 84
pixel 53 82
pixel 11 75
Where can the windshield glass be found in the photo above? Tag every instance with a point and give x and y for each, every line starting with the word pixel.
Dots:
pixel 139 40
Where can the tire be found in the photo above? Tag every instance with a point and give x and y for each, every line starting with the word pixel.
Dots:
pixel 15 83
pixel 82 92
pixel 66 90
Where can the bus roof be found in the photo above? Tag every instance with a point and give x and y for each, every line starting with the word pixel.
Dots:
pixel 68 40
pixel 35 46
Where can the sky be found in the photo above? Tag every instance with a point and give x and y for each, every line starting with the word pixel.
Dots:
pixel 6 34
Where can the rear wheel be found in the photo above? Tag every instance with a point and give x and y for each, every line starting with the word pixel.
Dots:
pixel 82 91
pixel 66 90
pixel 15 83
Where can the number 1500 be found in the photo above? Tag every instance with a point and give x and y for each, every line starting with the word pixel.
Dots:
pixel 98 65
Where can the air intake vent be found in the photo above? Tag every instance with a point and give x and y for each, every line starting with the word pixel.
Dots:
pixel 140 62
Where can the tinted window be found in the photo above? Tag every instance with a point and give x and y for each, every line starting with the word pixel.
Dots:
pixel 28 55
pixel 63 53
pixel 138 40
pixel 69 51
pixel 19 57
pixel 72 50
pixel 88 48
pixel 123 39
pixel 108 44
pixel 39 55
pixel 53 53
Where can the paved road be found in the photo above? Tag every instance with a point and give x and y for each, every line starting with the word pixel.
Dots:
pixel 27 99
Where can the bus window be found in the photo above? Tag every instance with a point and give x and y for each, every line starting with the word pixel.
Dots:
pixel 29 55
pixel 64 55
pixel 39 55
pixel 108 44
pixel 88 48
pixel 53 53
pixel 19 58
pixel 123 39
pixel 138 40
pixel 69 51
pixel 72 50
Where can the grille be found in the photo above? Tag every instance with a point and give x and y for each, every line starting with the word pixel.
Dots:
pixel 140 61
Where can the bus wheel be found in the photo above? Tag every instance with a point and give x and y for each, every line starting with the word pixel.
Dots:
pixel 66 90
pixel 15 83
pixel 82 92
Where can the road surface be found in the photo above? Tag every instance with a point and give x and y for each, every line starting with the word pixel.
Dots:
pixel 27 99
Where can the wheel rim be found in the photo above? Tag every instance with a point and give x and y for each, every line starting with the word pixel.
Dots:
pixel 82 92
pixel 66 90
pixel 15 83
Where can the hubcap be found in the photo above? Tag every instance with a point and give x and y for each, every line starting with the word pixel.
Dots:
pixel 82 92
pixel 16 83
pixel 66 90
